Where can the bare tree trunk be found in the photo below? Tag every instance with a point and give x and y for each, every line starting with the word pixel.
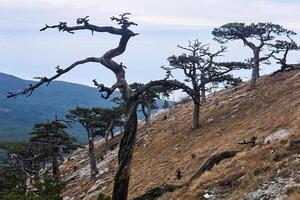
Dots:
pixel 61 154
pixel 196 113
pixel 55 165
pixel 126 150
pixel 92 156
pixel 37 171
pixel 147 116
pixel 148 120
pixel 112 134
pixel 203 95
pixel 255 70
pixel 107 134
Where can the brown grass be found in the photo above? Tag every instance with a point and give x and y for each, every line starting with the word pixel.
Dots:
pixel 295 196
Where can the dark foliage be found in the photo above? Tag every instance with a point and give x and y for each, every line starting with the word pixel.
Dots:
pixel 256 36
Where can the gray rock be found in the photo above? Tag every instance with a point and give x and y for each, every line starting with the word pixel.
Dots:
pixel 277 135
pixel 293 144
pixel 277 190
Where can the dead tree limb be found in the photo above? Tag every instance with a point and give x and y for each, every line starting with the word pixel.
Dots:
pixel 158 191
pixel 252 141
pixel 213 160
pixel 207 166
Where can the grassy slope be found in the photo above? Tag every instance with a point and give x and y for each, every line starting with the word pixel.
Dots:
pixel 227 118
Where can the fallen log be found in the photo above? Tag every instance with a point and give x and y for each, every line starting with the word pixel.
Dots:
pixel 215 159
pixel 158 191
pixel 207 166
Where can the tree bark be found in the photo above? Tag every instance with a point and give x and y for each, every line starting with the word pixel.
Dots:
pixel 37 170
pixel 55 165
pixel 203 95
pixel 107 134
pixel 196 113
pixel 158 191
pixel 148 119
pixel 61 154
pixel 213 160
pixel 112 134
pixel 147 116
pixel 126 150
pixel 255 70
pixel 92 156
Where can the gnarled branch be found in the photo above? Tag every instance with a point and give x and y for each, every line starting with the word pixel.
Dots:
pixel 107 90
pixel 83 24
pixel 162 83
pixel 44 80
pixel 106 59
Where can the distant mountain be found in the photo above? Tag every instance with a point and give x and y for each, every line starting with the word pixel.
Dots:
pixel 18 115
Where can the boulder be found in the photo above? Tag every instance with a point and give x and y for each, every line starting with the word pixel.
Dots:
pixel 277 135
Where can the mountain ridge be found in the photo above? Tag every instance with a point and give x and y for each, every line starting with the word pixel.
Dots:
pixel 44 104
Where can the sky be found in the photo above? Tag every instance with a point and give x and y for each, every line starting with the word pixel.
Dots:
pixel 162 25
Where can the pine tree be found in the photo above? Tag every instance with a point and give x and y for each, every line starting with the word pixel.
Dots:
pixel 52 137
pixel 202 72
pixel 256 36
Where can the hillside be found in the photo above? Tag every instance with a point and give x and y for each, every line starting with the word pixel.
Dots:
pixel 270 170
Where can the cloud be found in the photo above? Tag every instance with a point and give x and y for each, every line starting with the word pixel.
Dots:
pixel 162 24
pixel 154 13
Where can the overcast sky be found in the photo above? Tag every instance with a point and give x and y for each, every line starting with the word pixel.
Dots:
pixel 26 52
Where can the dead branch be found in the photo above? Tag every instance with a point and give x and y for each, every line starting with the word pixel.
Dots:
pixel 106 59
pixel 44 80
pixel 215 159
pixel 158 191
pixel 107 90
pixel 163 83
pixel 207 166
pixel 252 141
pixel 83 24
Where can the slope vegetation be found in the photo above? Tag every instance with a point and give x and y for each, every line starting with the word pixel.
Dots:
pixel 270 169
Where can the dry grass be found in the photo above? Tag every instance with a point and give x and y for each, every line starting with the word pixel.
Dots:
pixel 227 118
pixel 295 196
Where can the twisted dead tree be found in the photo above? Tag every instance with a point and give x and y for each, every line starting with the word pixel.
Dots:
pixel 127 143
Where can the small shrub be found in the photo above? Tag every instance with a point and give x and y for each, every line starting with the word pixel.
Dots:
pixel 103 196
pixel 99 157
pixel 49 188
